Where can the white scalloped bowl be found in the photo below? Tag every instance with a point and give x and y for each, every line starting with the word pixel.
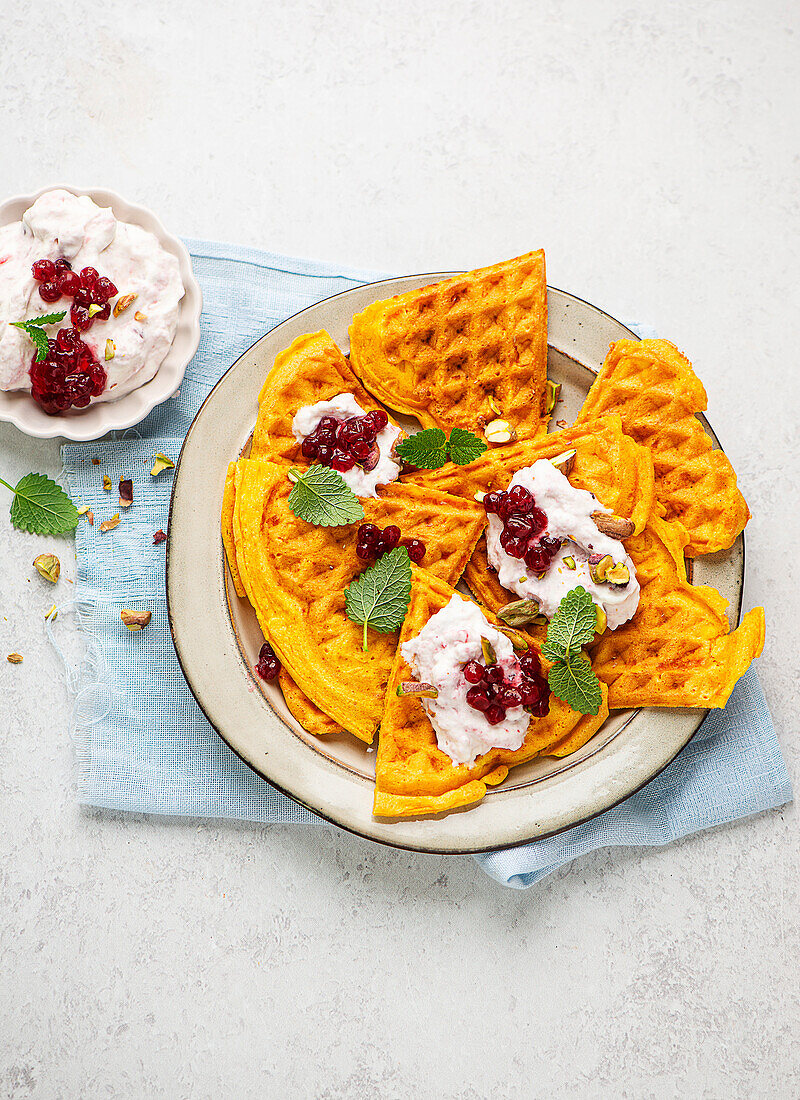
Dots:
pixel 81 424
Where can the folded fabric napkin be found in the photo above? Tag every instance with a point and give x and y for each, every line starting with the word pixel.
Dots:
pixel 142 742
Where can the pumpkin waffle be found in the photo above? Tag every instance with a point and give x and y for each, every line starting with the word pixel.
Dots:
pixel 657 394
pixel 676 651
pixel 412 775
pixel 442 352
pixel 311 369
pixel 295 575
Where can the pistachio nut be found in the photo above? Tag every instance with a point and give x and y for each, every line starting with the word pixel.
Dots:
pixel 599 568
pixel 520 613
pixel 551 395
pixel 489 655
pixel 48 566
pixel 499 431
pixel 565 461
pixel 615 527
pixel 415 687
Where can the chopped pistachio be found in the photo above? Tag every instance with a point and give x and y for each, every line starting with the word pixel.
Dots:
pixel 494 406
pixel 489 655
pixel 90 516
pixel 415 687
pixel 111 349
pixel 499 431
pixel 139 316
pixel 48 566
pixel 94 309
pixel 123 303
pixel 110 524
pixel 602 620
pixel 135 620
pixel 479 496
pixel 161 462
pixel 518 641
pixel 84 508
pixel 107 483
pixel 552 391
pixel 599 566
pixel 569 562
pixel 564 462
pixel 52 612
pixel 618 575
pixel 14 658
pixel 95 461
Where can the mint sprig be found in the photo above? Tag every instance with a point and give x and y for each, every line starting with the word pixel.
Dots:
pixel 41 506
pixel 33 329
pixel 572 678
pixel 379 596
pixel 321 496
pixel 430 448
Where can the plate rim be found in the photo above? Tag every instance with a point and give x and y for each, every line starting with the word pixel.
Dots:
pixel 409 845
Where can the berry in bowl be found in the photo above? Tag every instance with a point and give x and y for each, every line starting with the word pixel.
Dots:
pixel 99 313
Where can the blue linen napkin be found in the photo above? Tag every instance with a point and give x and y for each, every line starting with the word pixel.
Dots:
pixel 143 744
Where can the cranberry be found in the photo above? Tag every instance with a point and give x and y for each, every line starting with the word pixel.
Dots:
pixel 328 424
pixel 391 536
pixel 104 289
pixel 530 691
pixel 529 664
pixel 536 560
pixel 474 672
pixel 103 313
pixel 79 315
pixel 494 674
pixel 364 551
pixel 68 283
pixel 495 714
pixel 49 292
pixel 521 499
pixel 349 431
pixel 268 666
pixel 70 376
pixel 538 520
pixel 342 461
pixel 492 502
pixel 478 699
pixel 377 420
pixel 43 271
pixel 308 447
pixel 514 547
pixel 510 697
pixel 62 265
pixel 89 277
pixel 551 545
pixel 369 534
pixel 542 708
pixel 324 453
pixel 360 450
pixel 519 527
pixel 416 549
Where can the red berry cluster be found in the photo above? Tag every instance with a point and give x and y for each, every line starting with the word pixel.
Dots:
pixel 372 543
pixel 70 375
pixel 523 524
pixel 268 666
pixel 493 694
pixel 343 444
pixel 56 279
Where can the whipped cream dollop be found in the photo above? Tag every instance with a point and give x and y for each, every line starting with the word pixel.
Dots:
pixel 343 406
pixel 569 517
pixel 437 656
pixel 60 224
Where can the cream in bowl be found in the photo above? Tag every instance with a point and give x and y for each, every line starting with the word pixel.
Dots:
pixel 119 292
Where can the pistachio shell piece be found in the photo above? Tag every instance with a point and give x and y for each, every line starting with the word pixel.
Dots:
pixel 14 658
pixel 123 303
pixel 135 620
pixel 161 462
pixel 107 483
pixel 565 461
pixel 552 391
pixel 616 527
pixel 415 687
pixel 520 612
pixel 489 655
pixel 48 566
pixel 110 524
pixel 125 492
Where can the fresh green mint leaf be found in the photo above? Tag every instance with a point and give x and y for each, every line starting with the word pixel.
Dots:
pixel 464 447
pixel 379 596
pixel 573 625
pixel 33 329
pixel 41 506
pixel 575 682
pixel 426 450
pixel 321 496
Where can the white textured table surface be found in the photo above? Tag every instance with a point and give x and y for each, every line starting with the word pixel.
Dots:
pixel 652 150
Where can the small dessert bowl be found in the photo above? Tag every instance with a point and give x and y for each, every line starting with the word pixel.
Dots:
pixel 20 409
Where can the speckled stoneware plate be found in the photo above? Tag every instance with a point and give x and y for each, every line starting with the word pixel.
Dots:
pixel 217 637
pixel 100 417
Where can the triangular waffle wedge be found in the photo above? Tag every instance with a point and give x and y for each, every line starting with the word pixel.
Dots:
pixel 412 775
pixel 295 574
pixel 311 369
pixel 440 353
pixel 607 462
pixel 309 715
pixel 657 394
pixel 676 651
pixel 228 541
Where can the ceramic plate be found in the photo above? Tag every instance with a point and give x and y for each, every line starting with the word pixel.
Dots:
pixel 217 638
pixel 20 409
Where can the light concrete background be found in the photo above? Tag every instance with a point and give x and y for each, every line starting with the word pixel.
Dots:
pixel 652 150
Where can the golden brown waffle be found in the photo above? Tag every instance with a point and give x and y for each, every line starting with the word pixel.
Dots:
pixel 295 575
pixel 311 369
pixel 657 394
pixel 676 651
pixel 228 502
pixel 440 353
pixel 309 716
pixel 412 775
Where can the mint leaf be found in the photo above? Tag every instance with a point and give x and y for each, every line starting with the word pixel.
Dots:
pixel 379 596
pixel 575 682
pixel 32 329
pixel 573 625
pixel 41 507
pixel 321 496
pixel 464 447
pixel 426 449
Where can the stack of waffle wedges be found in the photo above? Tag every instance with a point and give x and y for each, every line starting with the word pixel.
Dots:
pixel 457 354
